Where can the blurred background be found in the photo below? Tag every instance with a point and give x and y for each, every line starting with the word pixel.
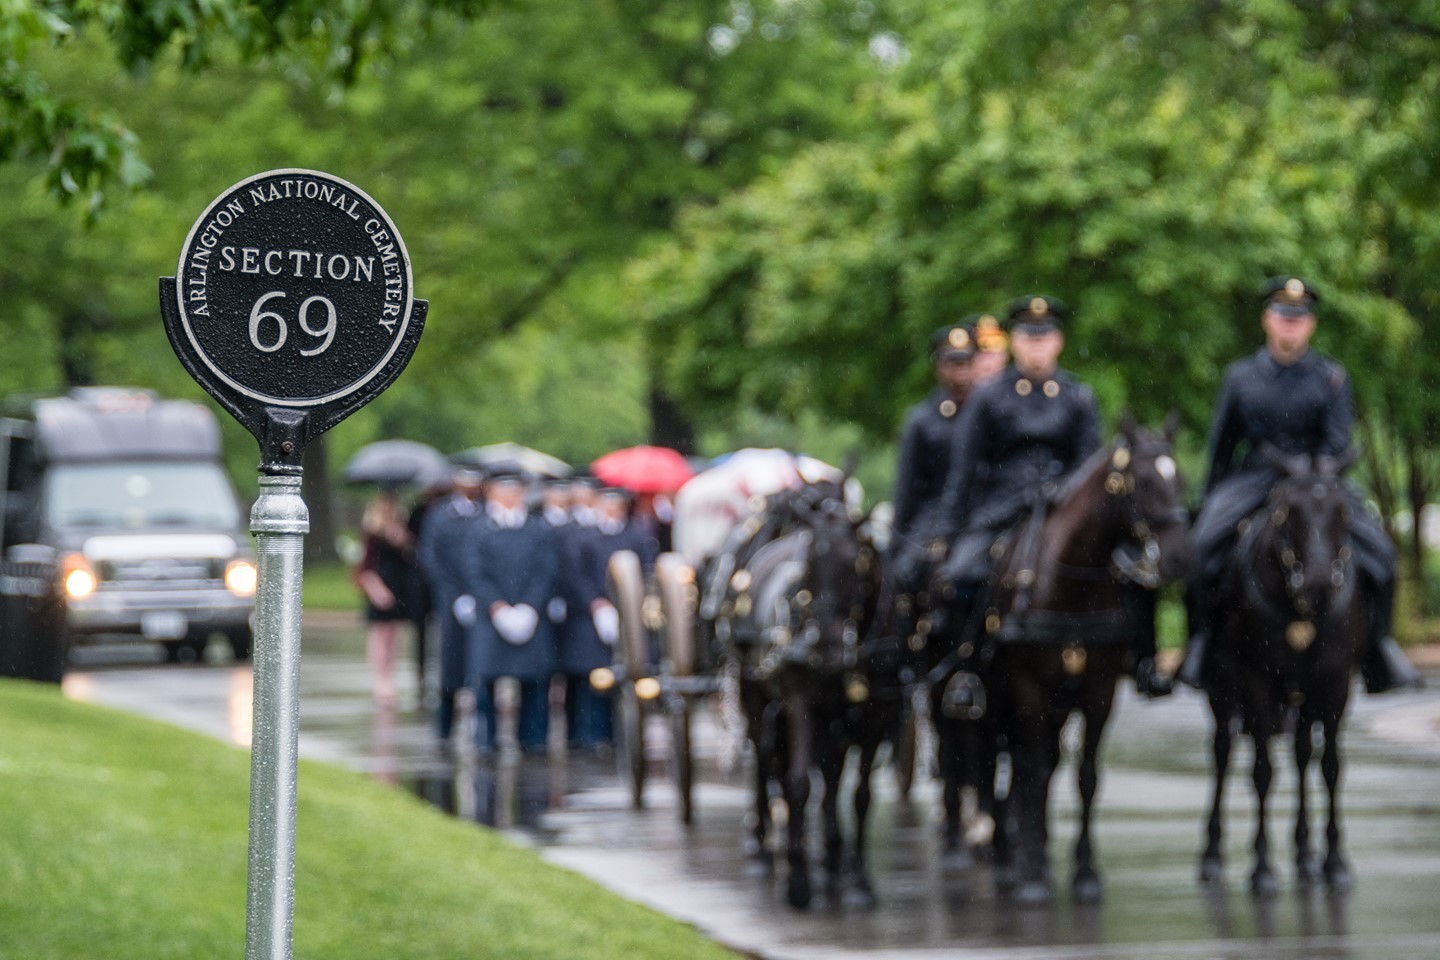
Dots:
pixel 708 225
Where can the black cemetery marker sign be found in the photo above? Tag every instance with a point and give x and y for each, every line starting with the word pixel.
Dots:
pixel 292 306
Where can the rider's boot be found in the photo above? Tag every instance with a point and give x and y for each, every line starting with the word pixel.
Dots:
pixel 1385 666
pixel 1201 623
pixel 1149 682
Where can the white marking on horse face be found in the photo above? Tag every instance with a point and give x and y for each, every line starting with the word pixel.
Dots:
pixel 1165 466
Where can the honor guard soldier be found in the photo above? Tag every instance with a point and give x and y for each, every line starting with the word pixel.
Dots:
pixel 512 567
pixel 1288 397
pixel 964 354
pixel 590 643
pixel 441 552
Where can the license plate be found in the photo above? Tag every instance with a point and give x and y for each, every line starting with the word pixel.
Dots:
pixel 163 625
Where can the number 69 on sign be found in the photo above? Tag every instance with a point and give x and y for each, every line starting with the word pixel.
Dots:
pixel 325 333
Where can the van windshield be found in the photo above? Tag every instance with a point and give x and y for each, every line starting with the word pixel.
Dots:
pixel 141 495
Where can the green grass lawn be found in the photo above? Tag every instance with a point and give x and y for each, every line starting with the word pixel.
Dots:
pixel 123 838
pixel 328 587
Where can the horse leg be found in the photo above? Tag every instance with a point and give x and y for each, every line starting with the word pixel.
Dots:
pixel 862 894
pixel 1030 760
pixel 1307 869
pixel 1337 871
pixel 830 757
pixel 763 736
pixel 797 794
pixel 1211 860
pixel 947 751
pixel 1262 879
pixel 1085 886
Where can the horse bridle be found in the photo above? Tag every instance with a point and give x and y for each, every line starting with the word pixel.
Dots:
pixel 1143 569
pixel 806 626
pixel 1294 570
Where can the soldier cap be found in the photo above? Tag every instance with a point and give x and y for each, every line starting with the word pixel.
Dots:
pixel 505 470
pixel 1036 313
pixel 954 341
pixel 1289 295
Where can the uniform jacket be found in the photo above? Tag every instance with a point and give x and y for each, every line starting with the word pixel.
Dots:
pixel 1013 436
pixel 589 553
pixel 1303 408
pixel 924 462
pixel 513 566
pixel 441 549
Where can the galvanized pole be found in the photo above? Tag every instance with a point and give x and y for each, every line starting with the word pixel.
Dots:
pixel 279 521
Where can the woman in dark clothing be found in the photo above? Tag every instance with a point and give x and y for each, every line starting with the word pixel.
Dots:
pixel 386 577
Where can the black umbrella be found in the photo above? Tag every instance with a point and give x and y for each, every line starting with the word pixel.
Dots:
pixel 397 463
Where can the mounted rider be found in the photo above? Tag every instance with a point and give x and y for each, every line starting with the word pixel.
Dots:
pixel 1286 397
pixel 966 355
pixel 1015 441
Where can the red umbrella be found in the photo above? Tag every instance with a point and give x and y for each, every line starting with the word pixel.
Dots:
pixel 644 469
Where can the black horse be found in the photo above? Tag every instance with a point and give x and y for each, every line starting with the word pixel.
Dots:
pixel 1292 630
pixel 1062 606
pixel 799 610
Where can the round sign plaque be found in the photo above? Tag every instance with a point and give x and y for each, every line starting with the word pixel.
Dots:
pixel 292 305
pixel 294 288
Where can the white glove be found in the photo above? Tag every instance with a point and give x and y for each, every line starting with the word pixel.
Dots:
pixel 556 610
pixel 526 620
pixel 464 610
pixel 607 624
pixel 516 625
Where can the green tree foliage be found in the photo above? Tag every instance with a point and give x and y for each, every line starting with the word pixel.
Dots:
pixel 1148 162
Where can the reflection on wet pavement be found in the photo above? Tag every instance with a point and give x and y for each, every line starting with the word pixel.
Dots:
pixel 1154 788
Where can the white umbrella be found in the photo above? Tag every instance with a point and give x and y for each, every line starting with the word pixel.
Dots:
pixel 529 460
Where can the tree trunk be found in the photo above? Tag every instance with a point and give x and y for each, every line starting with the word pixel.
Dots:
pixel 668 426
pixel 315 488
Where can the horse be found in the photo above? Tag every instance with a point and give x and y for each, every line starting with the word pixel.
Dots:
pixel 1291 631
pixel 1062 605
pixel 803 602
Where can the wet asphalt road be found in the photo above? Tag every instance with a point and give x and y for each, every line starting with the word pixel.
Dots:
pixel 1155 783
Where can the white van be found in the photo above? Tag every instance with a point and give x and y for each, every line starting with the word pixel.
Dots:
pixel 127 494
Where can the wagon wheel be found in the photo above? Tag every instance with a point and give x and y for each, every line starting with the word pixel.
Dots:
pixel 906 747
pixel 626 585
pixel 676 580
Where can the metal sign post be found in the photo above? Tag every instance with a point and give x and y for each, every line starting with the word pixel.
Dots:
pixel 292 306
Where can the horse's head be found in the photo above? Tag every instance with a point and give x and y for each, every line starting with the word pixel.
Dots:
pixel 1308 515
pixel 1146 487
pixel 836 597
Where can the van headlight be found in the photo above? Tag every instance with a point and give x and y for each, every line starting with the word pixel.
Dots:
pixel 241 577
pixel 78 576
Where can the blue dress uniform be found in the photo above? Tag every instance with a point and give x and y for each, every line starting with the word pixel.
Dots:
pixel 513 560
pixel 589 712
pixel 1300 408
pixel 443 538
pixel 1013 437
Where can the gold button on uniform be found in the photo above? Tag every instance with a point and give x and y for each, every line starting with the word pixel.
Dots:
pixel 1052 389
pixel 947 408
pixel 1023 387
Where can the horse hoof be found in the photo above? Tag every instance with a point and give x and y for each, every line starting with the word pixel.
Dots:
pixel 1263 884
pixel 956 860
pixel 1307 871
pixel 860 897
pixel 1004 878
pixel 760 864
pixel 1338 878
pixel 1211 873
pixel 1033 893
pixel 798 892
pixel 1086 888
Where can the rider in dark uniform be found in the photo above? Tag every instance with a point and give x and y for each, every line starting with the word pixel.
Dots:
pixel 961 354
pixel 1016 439
pixel 1291 398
